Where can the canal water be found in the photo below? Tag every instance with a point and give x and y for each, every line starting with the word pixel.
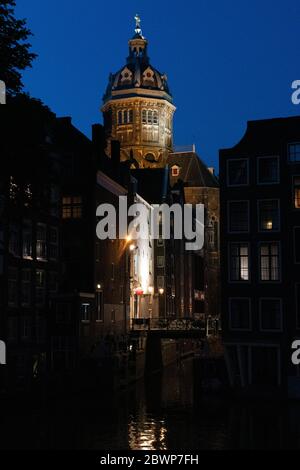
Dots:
pixel 162 413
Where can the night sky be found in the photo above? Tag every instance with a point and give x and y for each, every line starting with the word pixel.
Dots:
pixel 227 61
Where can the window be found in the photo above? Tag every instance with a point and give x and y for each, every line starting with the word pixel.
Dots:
pixel 297 244
pixel 239 262
pixel 53 243
pixel 41 242
pixel 27 240
pixel 237 172
pixel 85 312
pixel 155 118
pixel 270 314
pixel 160 282
pixel 72 207
pixel 175 170
pixel 12 286
pixel 238 216
pixel 99 305
pixel 268 170
pixel 160 261
pixel 26 288
pixel 268 213
pixel 27 194
pixel 150 117
pixel 296 186
pixel 269 262
pixel 160 242
pixel 125 117
pixel 40 284
pixel 294 152
pixel 144 116
pixel 239 314
pixel 14 240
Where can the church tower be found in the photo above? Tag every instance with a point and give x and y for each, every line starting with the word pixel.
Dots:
pixel 138 108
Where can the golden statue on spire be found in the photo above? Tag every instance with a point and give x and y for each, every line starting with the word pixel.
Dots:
pixel 138 24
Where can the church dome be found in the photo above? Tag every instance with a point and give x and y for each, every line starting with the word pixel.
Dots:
pixel 138 77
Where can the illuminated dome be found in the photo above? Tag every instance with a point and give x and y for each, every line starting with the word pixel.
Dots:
pixel 138 74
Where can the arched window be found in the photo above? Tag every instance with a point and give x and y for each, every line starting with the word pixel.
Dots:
pixel 130 117
pixel 155 118
pixel 125 116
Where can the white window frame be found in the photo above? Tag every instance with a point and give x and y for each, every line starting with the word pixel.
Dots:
pixel 228 216
pixel 279 216
pixel 269 330
pixel 241 281
pixel 227 172
pixel 288 153
pixel 270 242
pixel 257 170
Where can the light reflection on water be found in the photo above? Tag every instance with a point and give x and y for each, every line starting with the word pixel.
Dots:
pixel 165 413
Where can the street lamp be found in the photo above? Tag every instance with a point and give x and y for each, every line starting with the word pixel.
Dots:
pixel 161 291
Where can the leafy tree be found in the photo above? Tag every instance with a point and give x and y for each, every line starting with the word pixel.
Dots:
pixel 15 55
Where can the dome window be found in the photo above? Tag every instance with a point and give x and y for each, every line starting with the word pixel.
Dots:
pixel 125 117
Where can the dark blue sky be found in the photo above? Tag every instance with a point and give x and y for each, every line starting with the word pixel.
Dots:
pixel 227 61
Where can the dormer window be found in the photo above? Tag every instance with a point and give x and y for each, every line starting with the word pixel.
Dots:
pixel 126 75
pixel 175 171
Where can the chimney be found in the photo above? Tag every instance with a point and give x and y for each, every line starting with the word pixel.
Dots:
pixel 115 157
pixel 98 138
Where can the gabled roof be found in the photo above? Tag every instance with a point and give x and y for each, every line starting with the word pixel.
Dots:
pixel 193 172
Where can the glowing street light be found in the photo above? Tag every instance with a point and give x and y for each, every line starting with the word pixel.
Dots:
pixel 161 291
pixel 151 290
pixel 132 247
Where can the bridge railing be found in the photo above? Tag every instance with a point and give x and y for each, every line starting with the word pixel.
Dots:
pixel 178 324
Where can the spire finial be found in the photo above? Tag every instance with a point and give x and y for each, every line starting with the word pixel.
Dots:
pixel 138 24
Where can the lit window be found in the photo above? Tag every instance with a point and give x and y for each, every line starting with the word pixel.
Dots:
pixel 297 192
pixel 238 216
pixel 239 262
pixel 72 207
pixel 268 215
pixel 175 171
pixel 269 262
pixel 268 170
pixel 13 189
pixel 41 245
pixel 155 118
pixel 238 172
pixel 239 314
pixel 270 314
pixel 294 152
